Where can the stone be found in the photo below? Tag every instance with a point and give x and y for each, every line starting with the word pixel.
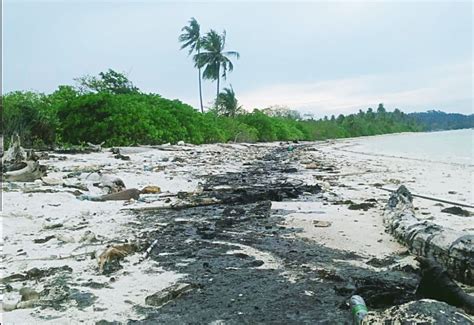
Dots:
pixel 457 211
pixel 162 297
pixel 28 294
pixel 321 223
pixel 150 189
pixel 424 311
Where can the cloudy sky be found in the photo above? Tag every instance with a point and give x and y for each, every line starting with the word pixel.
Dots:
pixel 317 57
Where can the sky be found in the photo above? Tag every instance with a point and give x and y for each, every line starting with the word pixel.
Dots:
pixel 319 57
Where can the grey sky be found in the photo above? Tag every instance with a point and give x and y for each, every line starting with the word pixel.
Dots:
pixel 319 57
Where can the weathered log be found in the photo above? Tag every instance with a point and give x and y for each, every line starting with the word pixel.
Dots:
pixel 30 173
pixel 14 158
pixel 452 249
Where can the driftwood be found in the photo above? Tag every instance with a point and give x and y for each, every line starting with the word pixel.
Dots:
pixel 19 165
pixel 453 249
pixel 433 199
pixel 31 172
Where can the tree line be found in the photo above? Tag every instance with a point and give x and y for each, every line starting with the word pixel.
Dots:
pixel 110 108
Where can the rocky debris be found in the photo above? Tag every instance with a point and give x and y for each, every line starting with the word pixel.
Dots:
pixel 150 189
pixel 457 211
pixel 28 297
pixel 423 311
pixel 90 148
pixel 118 154
pixel 109 259
pixel 320 223
pixel 162 297
pixel 436 284
pixel 125 195
pixel 452 249
pixel 110 183
pixel 43 240
pixel 36 274
pixel 312 166
pixel 361 206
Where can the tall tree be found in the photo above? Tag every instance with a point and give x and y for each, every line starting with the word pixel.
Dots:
pixel 112 82
pixel 215 59
pixel 191 38
pixel 227 104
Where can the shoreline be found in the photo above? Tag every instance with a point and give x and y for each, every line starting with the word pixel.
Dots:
pixel 323 222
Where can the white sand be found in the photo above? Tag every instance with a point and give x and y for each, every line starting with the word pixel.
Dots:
pixel 26 216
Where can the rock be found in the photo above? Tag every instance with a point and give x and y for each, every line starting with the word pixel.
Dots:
pixel 112 183
pixel 162 297
pixel 35 274
pixel 151 190
pixel 436 284
pixel 361 206
pixel 312 166
pixel 65 238
pixel 28 294
pixel 180 143
pixel 88 237
pixel 321 223
pixel 52 181
pixel 110 257
pixel 43 240
pixel 10 301
pixel 122 157
pixel 423 311
pixel 457 211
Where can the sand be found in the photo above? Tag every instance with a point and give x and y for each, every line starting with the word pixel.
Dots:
pixel 29 216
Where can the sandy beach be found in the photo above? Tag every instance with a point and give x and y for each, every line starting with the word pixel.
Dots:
pixel 45 226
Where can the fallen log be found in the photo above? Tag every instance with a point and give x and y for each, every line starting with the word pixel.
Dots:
pixel 432 198
pixel 453 249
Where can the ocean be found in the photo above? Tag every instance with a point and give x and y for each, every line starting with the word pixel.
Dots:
pixel 456 146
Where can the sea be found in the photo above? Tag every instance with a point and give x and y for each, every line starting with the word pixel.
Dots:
pixel 455 146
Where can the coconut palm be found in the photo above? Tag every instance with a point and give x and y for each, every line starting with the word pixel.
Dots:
pixel 227 104
pixel 215 60
pixel 191 39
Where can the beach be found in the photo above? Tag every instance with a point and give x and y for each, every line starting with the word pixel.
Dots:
pixel 324 232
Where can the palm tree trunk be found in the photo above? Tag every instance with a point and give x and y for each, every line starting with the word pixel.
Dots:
pixel 218 77
pixel 200 88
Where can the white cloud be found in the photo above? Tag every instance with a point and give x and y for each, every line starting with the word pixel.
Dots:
pixel 440 88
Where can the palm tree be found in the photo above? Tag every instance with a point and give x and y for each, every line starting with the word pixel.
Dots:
pixel 191 38
pixel 227 104
pixel 215 58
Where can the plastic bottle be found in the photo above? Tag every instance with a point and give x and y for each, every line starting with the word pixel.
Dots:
pixel 358 309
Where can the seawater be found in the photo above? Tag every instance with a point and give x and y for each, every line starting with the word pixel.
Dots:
pixel 456 146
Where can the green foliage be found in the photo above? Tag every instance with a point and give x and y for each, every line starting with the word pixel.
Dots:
pixel 68 116
pixel 112 82
pixel 215 61
pixel 27 114
pixel 227 104
pixel 437 120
